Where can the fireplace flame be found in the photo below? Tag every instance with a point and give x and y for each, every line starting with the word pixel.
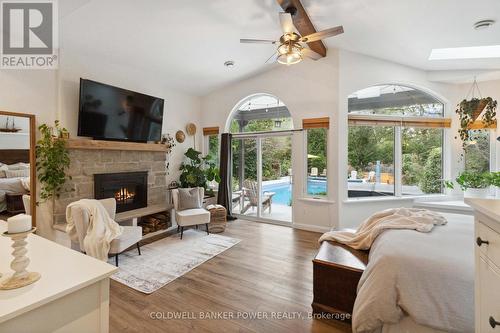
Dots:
pixel 124 195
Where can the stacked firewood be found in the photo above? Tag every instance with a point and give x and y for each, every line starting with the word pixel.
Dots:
pixel 155 222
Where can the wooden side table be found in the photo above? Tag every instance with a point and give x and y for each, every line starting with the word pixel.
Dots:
pixel 218 218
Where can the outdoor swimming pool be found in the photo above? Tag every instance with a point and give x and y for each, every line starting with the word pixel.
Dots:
pixel 283 190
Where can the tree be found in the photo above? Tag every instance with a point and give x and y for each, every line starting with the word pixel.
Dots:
pixel 431 181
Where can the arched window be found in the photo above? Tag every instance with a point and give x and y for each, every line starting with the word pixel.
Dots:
pixel 395 142
pixel 260 113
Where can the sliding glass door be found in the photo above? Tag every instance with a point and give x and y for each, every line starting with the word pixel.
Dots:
pixel 262 176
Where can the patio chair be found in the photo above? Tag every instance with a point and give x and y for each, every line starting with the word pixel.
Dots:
pixel 323 174
pixel 370 178
pixel 354 174
pixel 250 191
pixel 314 172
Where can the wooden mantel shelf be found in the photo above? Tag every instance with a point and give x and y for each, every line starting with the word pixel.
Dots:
pixel 114 145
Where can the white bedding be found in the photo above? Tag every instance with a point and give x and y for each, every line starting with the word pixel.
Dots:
pixel 12 185
pixel 426 276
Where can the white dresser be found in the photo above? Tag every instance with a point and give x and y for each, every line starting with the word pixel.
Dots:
pixel 487 264
pixel 71 296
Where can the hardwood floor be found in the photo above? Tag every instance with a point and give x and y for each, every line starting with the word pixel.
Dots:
pixel 269 273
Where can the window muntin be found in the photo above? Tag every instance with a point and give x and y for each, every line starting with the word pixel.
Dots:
pixel 415 119
pixel 316 154
pixel 477 152
pixel 395 100
pixel 371 161
pixel 261 113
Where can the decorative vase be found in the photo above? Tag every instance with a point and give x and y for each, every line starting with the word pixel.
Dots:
pixel 477 192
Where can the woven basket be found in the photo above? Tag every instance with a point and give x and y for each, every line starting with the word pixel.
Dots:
pixel 217 219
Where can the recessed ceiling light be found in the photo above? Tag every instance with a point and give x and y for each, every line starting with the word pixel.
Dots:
pixel 483 24
pixel 229 64
pixel 473 52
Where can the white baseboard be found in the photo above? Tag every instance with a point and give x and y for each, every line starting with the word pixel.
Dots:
pixel 309 227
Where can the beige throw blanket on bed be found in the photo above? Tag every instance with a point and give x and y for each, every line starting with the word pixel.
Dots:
pixel 421 220
pixel 102 229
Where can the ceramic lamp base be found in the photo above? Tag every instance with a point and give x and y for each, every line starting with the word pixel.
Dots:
pixel 17 282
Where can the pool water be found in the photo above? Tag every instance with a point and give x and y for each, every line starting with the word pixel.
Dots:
pixel 284 190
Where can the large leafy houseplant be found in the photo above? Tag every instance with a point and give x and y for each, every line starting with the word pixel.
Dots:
pixel 197 170
pixel 52 160
pixel 469 110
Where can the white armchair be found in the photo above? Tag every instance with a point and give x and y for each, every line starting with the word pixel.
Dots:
pixel 192 216
pixel 131 235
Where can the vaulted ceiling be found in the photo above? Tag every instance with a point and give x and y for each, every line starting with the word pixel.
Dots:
pixel 188 41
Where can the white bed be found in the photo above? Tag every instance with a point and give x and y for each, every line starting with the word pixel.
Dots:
pixel 419 282
pixel 12 185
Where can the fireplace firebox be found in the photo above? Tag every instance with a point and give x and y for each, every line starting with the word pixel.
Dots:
pixel 130 189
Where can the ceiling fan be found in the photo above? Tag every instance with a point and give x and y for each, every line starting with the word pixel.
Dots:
pixel 291 48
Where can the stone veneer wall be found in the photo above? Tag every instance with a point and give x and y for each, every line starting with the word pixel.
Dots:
pixel 85 163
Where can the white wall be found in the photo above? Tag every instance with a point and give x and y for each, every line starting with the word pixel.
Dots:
pixel 309 90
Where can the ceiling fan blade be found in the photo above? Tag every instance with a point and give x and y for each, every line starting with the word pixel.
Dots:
pixel 286 23
pixel 272 59
pixel 323 34
pixel 257 41
pixel 310 54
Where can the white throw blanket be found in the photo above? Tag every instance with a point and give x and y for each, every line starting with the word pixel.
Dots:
pixel 102 229
pixel 421 220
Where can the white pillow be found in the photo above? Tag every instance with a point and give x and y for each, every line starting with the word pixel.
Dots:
pixel 17 173
pixel 19 166
pixel 3 168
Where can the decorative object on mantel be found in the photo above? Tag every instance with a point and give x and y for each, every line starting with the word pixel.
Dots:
pixel 168 141
pixel 191 131
pixel 21 276
pixel 180 136
pixel 173 184
pixel 9 129
pixel 470 110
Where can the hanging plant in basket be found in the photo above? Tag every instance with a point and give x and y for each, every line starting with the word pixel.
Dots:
pixel 470 110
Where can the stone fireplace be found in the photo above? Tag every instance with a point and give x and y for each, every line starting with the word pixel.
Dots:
pixel 86 163
pixel 130 189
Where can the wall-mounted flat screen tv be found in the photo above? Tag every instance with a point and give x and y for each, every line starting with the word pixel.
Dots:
pixel 112 113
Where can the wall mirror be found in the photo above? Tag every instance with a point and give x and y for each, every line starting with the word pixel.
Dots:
pixel 17 165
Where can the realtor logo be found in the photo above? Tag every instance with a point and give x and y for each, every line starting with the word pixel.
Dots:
pixel 29 35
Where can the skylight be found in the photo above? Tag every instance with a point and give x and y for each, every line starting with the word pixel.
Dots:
pixel 473 52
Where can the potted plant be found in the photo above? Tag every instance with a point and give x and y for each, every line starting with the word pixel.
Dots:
pixel 197 171
pixel 469 110
pixel 474 185
pixel 52 160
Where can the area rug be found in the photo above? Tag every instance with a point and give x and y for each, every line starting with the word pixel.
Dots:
pixel 167 259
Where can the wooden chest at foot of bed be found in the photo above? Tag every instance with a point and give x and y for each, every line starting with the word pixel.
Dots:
pixel 337 270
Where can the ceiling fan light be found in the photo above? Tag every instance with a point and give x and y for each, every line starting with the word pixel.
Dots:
pixel 290 58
